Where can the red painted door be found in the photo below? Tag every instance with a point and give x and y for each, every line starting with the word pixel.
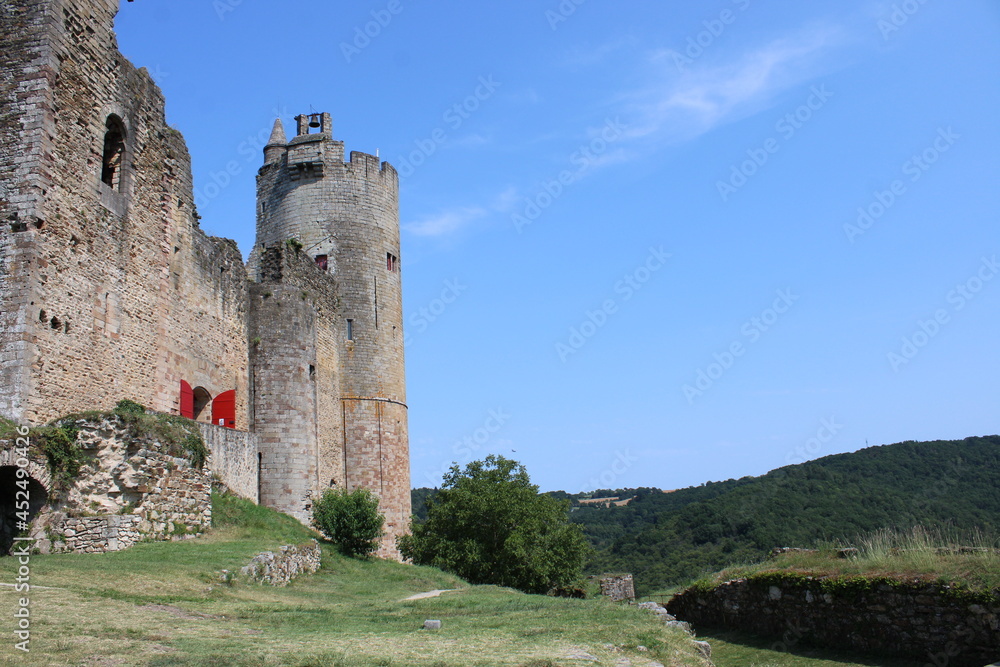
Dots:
pixel 224 409
pixel 187 400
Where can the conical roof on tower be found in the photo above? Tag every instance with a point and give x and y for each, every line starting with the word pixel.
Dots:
pixel 278 137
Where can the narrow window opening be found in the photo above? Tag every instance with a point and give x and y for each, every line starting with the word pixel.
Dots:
pixel 312 372
pixel 260 476
pixel 321 262
pixel 114 153
pixel 350 329
pixel 391 262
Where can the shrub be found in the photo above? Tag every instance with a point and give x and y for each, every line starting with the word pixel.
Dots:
pixel 489 525
pixel 350 520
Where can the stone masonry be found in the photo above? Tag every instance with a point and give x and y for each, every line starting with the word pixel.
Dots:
pixel 278 569
pixel 930 622
pixel 110 289
pixel 126 492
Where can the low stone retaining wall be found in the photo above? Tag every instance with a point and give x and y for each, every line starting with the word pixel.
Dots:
pixel 233 458
pixel 278 569
pixel 939 624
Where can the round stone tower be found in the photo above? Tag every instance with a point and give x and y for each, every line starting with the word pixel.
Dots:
pixel 341 219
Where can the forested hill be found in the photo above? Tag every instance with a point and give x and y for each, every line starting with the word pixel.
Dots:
pixel 668 538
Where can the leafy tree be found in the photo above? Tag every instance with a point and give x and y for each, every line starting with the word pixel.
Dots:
pixel 350 520
pixel 489 525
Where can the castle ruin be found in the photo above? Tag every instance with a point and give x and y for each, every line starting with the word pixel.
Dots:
pixel 109 289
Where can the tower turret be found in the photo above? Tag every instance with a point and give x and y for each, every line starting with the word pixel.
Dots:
pixel 341 219
pixel 277 144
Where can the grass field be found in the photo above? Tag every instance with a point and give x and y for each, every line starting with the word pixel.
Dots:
pixel 968 560
pixel 161 604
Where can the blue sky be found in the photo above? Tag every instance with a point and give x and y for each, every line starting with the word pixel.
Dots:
pixel 644 243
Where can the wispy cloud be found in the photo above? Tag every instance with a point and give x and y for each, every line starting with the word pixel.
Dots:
pixel 446 222
pixel 585 56
pixel 450 221
pixel 686 105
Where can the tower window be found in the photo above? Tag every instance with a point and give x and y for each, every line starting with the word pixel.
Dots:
pixel 350 329
pixel 391 262
pixel 321 262
pixel 114 153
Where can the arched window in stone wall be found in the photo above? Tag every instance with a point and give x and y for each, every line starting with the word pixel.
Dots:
pixel 114 153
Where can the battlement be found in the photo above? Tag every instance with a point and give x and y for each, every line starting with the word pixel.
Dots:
pixel 311 153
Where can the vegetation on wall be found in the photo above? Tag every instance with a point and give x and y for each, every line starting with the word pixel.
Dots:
pixel 56 442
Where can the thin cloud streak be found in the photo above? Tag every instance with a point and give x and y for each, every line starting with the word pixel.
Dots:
pixel 447 222
pixel 683 106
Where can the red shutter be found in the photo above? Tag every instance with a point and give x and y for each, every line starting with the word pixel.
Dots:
pixel 187 400
pixel 224 409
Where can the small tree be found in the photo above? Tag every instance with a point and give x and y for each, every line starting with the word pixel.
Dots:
pixel 350 520
pixel 489 525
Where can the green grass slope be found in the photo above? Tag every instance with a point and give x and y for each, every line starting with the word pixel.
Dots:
pixel 666 539
pixel 161 604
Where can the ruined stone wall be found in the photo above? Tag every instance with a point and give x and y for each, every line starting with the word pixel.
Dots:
pixel 930 622
pixel 278 569
pixel 233 459
pixel 27 71
pixel 121 294
pixel 127 491
pixel 618 587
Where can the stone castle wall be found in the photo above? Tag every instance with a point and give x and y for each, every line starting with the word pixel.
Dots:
pixel 114 290
pixel 929 622
pixel 111 290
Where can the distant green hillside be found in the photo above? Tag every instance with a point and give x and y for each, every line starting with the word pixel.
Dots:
pixel 665 539
pixel 671 538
